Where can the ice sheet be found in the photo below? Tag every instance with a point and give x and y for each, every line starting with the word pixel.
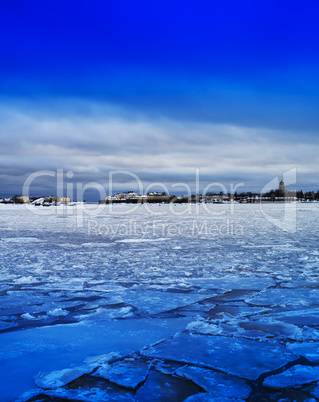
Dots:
pixel 215 382
pixel 127 374
pixel 293 377
pixel 237 356
pixel 119 282
pixel 24 353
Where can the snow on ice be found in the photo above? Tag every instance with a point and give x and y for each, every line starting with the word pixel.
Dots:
pixel 56 379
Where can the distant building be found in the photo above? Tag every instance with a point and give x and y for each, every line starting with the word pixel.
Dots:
pixel 52 199
pixel 130 197
pixel 282 186
pixel 21 199
pixel 62 199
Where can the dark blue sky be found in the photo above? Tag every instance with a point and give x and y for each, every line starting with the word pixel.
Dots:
pixel 250 65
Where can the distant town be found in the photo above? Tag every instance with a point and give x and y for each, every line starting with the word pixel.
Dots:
pixel 130 197
pixel 279 195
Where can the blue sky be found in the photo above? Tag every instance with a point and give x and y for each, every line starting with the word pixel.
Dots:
pixel 159 88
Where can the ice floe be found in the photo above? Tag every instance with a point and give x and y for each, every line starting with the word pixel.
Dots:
pixel 89 395
pixel 292 377
pixel 57 379
pixel 309 350
pixel 235 356
pixel 289 297
pixel 210 397
pixel 154 302
pixel 127 374
pixel 215 382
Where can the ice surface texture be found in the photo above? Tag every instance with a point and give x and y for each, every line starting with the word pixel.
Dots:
pixel 237 356
pixel 225 292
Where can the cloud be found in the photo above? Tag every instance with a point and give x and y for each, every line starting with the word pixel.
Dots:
pixel 106 138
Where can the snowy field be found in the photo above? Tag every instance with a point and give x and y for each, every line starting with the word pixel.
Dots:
pixel 163 303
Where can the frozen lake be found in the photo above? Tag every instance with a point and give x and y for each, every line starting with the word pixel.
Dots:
pixel 162 303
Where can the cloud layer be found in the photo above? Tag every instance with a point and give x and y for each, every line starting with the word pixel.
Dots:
pixel 163 150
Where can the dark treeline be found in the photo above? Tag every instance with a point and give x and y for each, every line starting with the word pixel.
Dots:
pixel 273 194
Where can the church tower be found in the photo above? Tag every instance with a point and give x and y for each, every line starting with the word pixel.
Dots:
pixel 282 186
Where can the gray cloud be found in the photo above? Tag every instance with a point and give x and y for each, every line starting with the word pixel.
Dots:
pixel 105 138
